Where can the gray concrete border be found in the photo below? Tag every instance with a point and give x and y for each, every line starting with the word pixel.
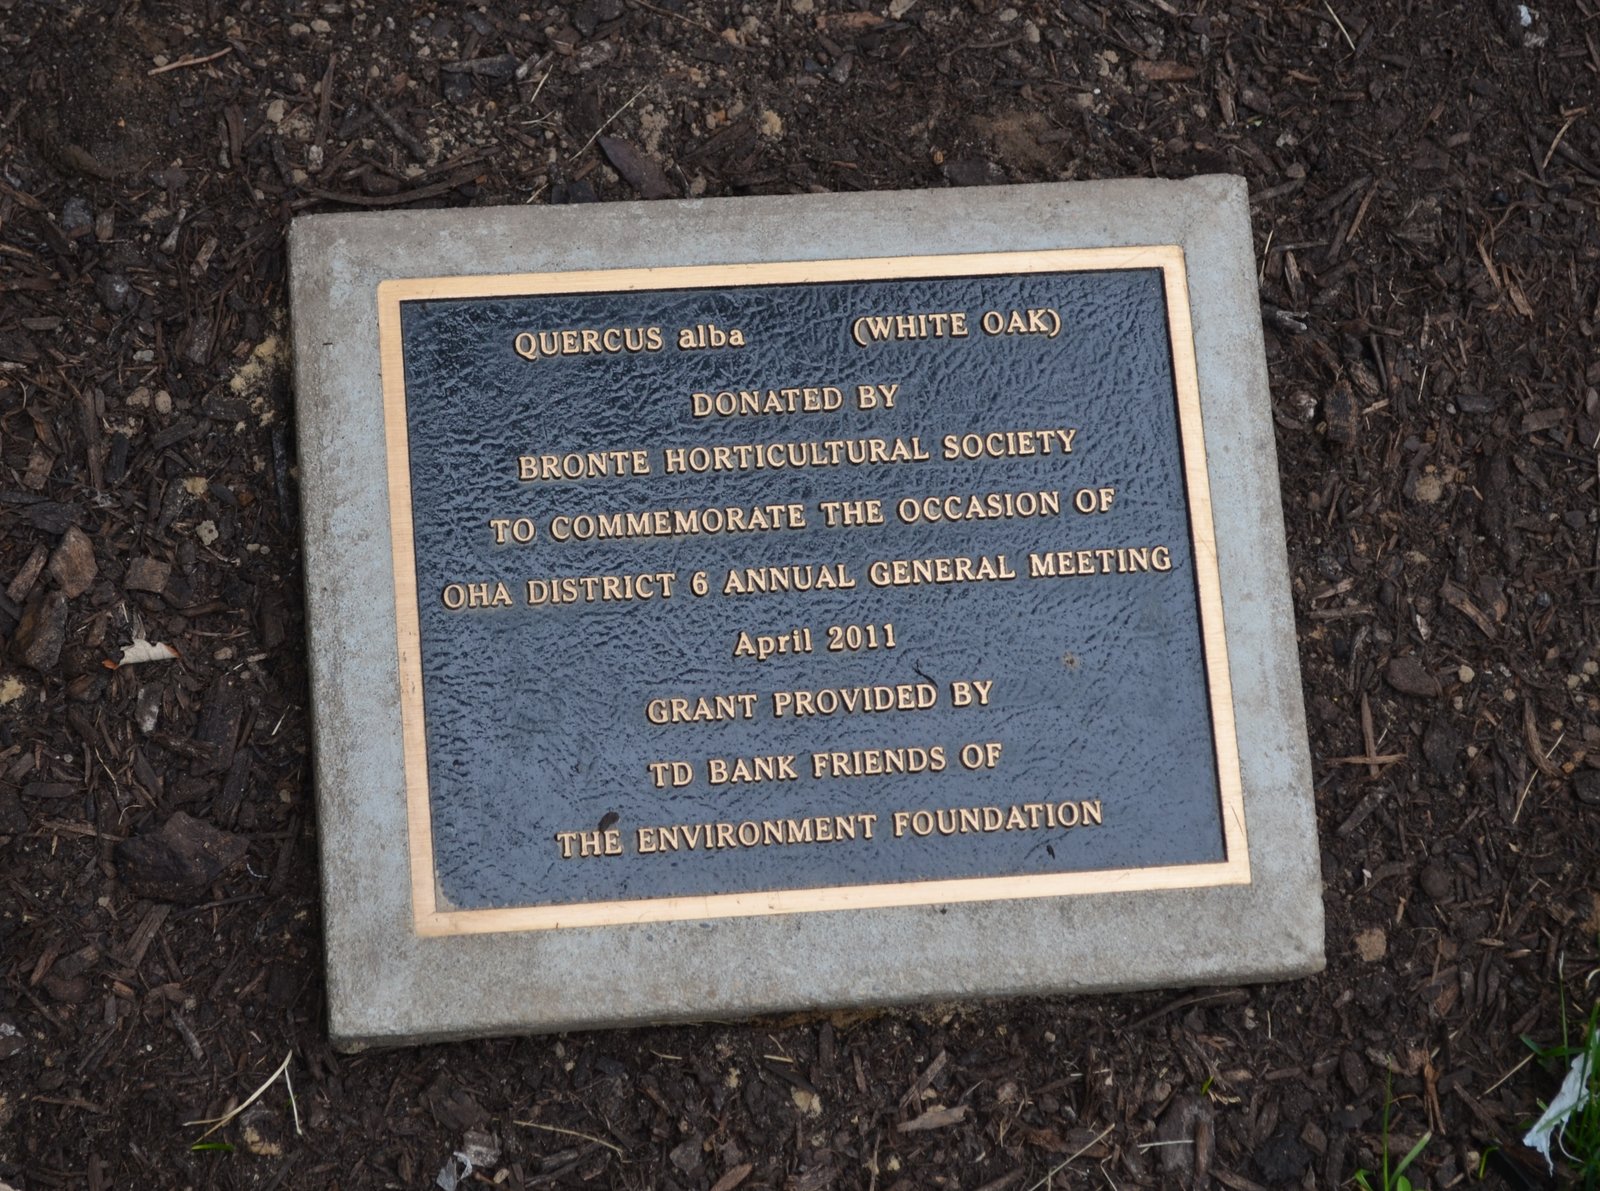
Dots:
pixel 387 986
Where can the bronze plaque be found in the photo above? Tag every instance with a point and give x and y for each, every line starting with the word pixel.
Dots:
pixel 769 588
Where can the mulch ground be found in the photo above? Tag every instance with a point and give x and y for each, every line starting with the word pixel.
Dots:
pixel 1426 185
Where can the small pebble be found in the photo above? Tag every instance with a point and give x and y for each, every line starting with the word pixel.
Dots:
pixel 114 290
pixel 76 217
pixel 1587 787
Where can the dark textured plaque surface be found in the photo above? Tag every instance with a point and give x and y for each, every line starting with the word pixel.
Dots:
pixel 535 716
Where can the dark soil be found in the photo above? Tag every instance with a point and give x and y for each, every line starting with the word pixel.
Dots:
pixel 1427 185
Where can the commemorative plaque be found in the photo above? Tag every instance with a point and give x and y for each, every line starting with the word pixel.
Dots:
pixel 730 616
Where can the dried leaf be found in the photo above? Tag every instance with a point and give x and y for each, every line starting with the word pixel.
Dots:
pixel 143 651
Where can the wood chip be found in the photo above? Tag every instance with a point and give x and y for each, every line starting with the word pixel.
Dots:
pixel 848 20
pixel 1462 603
pixel 42 632
pixel 1164 72
pixel 144 934
pixel 924 1081
pixel 734 1176
pixel 179 861
pixel 1362 809
pixel 640 171
pixel 148 574
pixel 22 585
pixel 186 1032
pixel 934 1118
pixel 1005 1181
pixel 1234 1181
pixel 1342 416
pixel 1410 677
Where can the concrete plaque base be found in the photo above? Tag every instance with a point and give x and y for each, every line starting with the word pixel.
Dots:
pixel 495 813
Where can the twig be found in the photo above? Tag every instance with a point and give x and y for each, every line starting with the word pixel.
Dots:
pixel 190 1040
pixel 10 115
pixel 219 1122
pixel 391 200
pixel 599 1141
pixel 66 1102
pixel 182 62
pixel 677 16
pixel 288 1083
pixel 1361 211
pixel 1537 770
pixel 1366 730
pixel 1060 1166
pixel 606 125
pixel 1528 1059
pixel 1545 164
pixel 400 132
pixel 1488 265
pixel 542 82
pixel 1340 23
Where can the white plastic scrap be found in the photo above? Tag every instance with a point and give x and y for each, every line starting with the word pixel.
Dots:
pixel 1569 1101
pixel 456 1167
pixel 477 1150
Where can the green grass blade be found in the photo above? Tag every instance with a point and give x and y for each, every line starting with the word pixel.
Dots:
pixel 1415 1150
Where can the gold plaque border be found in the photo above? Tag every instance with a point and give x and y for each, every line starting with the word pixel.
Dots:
pixel 432 920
